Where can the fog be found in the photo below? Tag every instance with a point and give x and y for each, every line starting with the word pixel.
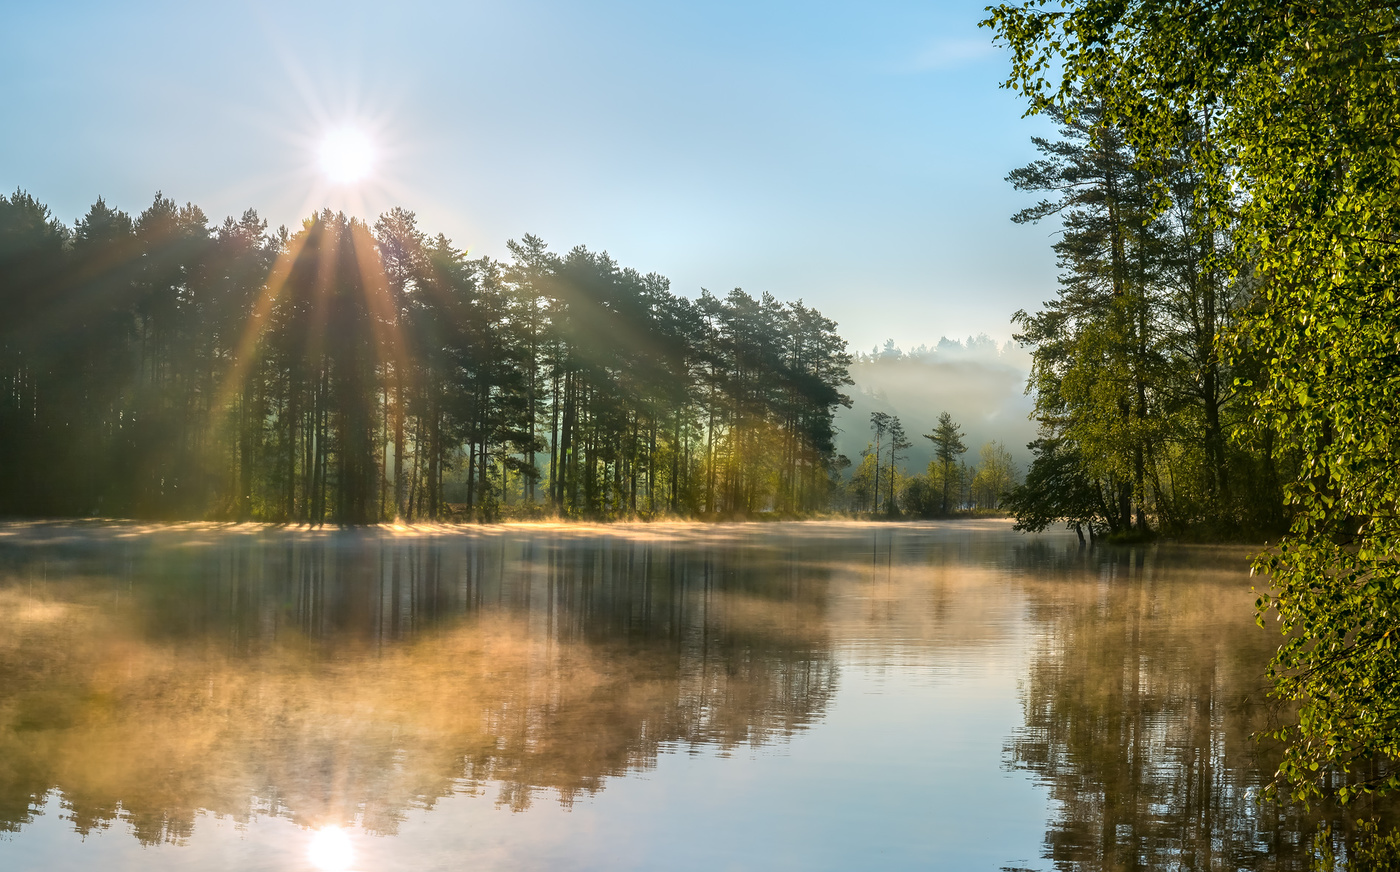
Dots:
pixel 981 384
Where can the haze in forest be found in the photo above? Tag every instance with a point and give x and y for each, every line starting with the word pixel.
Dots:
pixel 981 383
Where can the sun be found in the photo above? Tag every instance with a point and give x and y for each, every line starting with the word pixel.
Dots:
pixel 330 850
pixel 346 155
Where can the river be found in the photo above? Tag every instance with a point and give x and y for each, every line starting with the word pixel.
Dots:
pixel 805 696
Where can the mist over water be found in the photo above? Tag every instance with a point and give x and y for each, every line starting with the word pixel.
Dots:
pixel 805 696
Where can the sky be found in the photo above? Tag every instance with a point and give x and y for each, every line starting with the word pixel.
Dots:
pixel 851 155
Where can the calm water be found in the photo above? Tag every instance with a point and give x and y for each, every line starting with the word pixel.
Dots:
pixel 805 696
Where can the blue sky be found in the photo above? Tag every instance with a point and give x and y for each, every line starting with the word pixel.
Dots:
pixel 848 154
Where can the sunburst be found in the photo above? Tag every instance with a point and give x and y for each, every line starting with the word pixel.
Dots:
pixel 346 155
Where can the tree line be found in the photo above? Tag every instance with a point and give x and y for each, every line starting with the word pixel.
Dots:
pixel 878 486
pixel 1222 354
pixel 161 367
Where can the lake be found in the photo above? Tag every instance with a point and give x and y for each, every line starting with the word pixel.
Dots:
pixel 804 696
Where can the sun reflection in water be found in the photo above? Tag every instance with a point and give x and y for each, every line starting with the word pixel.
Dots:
pixel 330 850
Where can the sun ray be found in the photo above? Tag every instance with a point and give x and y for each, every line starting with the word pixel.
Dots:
pixel 320 232
pixel 254 327
pixel 388 335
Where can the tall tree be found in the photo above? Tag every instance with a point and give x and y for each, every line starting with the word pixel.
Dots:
pixel 947 447
pixel 899 443
pixel 33 260
pixel 1299 98
pixel 1095 349
pixel 403 258
pixel 879 422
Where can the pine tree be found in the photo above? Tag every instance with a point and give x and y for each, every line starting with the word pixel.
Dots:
pixel 948 445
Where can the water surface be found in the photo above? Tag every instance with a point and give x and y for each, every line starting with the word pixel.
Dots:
pixel 787 696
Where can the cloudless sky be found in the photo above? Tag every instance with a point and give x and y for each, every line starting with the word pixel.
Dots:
pixel 850 154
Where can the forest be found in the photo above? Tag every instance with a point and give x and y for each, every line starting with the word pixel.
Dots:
pixel 1145 407
pixel 1222 354
pixel 160 367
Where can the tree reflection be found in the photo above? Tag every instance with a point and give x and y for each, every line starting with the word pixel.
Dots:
pixel 338 677
pixel 1140 707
